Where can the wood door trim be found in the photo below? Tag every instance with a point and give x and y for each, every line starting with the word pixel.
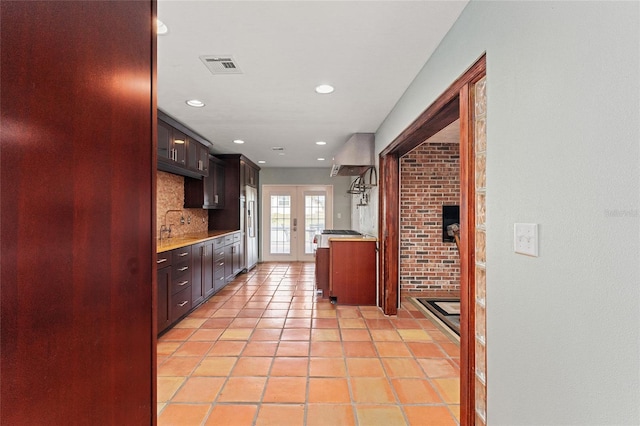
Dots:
pixel 455 102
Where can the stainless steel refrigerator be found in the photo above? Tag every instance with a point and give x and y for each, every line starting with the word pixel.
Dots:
pixel 251 227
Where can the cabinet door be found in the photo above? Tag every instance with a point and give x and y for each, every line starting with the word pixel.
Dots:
pixel 203 159
pixel 197 269
pixel 164 315
pixel 164 140
pixel 228 262
pixel 179 146
pixel 192 154
pixel 207 269
pixel 252 176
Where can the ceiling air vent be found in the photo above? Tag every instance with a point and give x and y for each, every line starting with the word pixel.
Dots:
pixel 221 64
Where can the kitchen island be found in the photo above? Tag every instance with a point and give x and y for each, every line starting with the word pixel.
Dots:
pixel 353 270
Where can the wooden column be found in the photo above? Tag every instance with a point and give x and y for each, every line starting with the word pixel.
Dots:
pixel 77 214
pixel 389 233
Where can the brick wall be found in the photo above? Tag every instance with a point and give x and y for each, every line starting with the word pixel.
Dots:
pixel 429 180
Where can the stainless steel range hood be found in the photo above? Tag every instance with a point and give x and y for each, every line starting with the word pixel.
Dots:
pixel 355 157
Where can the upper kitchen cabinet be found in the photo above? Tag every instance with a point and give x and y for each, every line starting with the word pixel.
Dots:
pixel 208 192
pixel 181 151
pixel 236 169
pixel 249 174
pixel 197 157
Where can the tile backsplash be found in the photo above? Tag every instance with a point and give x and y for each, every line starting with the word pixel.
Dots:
pixel 170 196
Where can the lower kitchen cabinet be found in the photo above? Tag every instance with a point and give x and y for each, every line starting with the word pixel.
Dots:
pixel 180 303
pixel 164 316
pixel 322 272
pixel 219 277
pixel 207 269
pixel 188 276
pixel 198 266
pixel 352 271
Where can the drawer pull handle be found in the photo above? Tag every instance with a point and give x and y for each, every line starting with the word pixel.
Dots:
pixel 183 303
pixel 161 260
pixel 183 254
pixel 221 264
pixel 182 283
pixel 184 268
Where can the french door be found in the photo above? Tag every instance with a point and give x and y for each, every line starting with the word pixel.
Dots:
pixel 292 216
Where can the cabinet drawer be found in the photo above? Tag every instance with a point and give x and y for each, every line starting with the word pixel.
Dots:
pixel 218 255
pixel 218 264
pixel 228 239
pixel 180 303
pixel 163 259
pixel 218 243
pixel 236 237
pixel 180 282
pixel 181 255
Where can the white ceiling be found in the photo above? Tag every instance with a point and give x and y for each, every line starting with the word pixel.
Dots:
pixel 369 50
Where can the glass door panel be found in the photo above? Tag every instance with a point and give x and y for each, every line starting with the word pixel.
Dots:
pixel 280 229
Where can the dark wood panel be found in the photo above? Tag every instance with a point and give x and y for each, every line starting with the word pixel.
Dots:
pixel 322 271
pixel 390 228
pixel 77 217
pixel 352 276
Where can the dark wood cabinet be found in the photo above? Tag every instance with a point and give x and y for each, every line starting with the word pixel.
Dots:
pixel 164 141
pixel 237 253
pixel 164 317
pixel 322 272
pixel 231 216
pixel 181 150
pixel 188 276
pixel 208 192
pixel 219 277
pixel 249 174
pixel 198 267
pixel 208 266
pixel 352 276
pixel 181 278
pixel 197 157
pixel 178 152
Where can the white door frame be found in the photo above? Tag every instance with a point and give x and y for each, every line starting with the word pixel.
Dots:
pixel 297 193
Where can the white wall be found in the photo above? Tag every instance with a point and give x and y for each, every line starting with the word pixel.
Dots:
pixel 563 123
pixel 314 176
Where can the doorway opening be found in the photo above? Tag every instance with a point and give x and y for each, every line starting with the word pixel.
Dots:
pixel 457 102
pixel 292 216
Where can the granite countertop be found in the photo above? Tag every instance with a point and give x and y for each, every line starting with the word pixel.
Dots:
pixel 167 244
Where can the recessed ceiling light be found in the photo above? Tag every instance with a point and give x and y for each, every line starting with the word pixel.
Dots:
pixel 321 143
pixel 320 159
pixel 161 28
pixel 261 161
pixel 195 103
pixel 238 141
pixel 323 89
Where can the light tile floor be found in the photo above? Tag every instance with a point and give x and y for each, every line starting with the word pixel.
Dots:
pixel 263 351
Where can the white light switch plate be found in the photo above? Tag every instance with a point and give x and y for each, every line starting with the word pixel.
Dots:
pixel 525 238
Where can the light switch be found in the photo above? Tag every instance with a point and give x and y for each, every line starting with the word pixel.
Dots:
pixel 525 238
